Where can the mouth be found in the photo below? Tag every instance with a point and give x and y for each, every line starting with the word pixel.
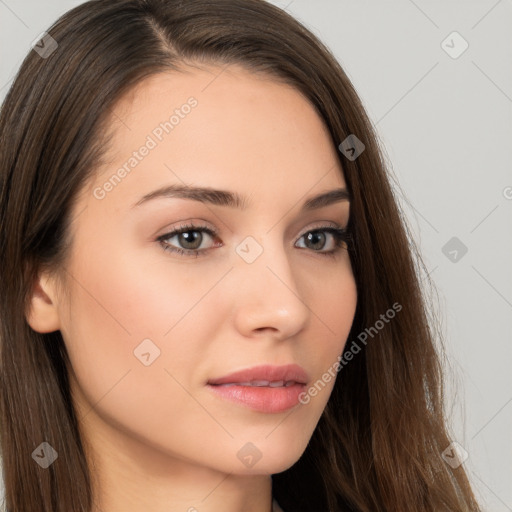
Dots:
pixel 267 389
pixel 262 383
pixel 265 375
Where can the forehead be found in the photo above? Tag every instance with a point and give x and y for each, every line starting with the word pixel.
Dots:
pixel 222 127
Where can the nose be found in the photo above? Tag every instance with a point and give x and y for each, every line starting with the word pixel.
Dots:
pixel 269 299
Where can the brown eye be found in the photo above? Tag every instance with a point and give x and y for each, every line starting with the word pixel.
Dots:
pixel 188 238
pixel 188 241
pixel 316 239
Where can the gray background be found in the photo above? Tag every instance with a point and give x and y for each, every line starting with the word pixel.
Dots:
pixel 445 124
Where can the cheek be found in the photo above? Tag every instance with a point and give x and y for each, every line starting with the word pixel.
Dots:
pixel 116 309
pixel 138 322
pixel 332 304
pixel 119 300
pixel 133 296
pixel 333 314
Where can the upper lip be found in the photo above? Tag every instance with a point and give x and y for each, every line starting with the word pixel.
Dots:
pixel 289 372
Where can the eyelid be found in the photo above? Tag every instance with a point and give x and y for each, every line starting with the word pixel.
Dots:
pixel 192 223
pixel 322 225
pixel 202 224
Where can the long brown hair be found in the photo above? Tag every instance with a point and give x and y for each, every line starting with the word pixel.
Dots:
pixel 378 445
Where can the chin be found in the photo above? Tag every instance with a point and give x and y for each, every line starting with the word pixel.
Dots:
pixel 271 458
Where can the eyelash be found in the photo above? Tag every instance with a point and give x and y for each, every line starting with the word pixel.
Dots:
pixel 340 235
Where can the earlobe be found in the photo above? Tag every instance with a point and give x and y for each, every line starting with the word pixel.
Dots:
pixel 43 314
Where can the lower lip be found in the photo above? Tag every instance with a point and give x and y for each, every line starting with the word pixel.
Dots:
pixel 262 398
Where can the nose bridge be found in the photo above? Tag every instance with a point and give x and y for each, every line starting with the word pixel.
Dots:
pixel 269 295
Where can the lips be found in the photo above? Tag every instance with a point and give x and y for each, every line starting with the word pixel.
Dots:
pixel 265 375
pixel 267 389
pixel 262 383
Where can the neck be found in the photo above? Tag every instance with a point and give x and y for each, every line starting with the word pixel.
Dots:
pixel 133 477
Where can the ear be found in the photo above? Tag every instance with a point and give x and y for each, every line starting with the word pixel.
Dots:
pixel 42 314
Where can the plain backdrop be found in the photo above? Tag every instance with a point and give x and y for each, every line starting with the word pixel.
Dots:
pixel 443 113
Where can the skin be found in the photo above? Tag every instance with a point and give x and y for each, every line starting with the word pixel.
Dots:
pixel 156 438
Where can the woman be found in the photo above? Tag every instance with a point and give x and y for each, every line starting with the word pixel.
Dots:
pixel 209 296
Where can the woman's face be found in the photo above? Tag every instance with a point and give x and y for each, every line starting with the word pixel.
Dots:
pixel 147 329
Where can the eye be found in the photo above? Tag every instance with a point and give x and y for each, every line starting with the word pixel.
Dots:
pixel 191 236
pixel 340 239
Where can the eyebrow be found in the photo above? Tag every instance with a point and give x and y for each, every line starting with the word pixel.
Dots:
pixel 233 199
